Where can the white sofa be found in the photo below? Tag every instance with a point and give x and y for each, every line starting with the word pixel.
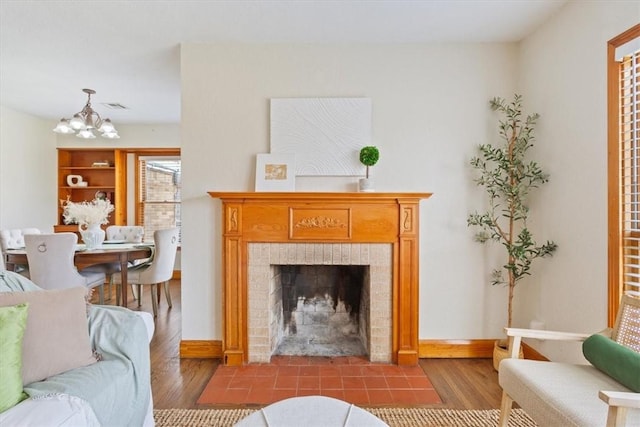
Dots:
pixel 93 395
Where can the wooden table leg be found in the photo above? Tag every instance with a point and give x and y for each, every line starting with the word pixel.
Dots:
pixel 123 279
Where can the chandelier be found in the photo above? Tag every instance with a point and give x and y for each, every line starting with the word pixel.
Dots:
pixel 85 121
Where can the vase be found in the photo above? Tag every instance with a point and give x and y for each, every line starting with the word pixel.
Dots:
pixel 365 185
pixel 92 236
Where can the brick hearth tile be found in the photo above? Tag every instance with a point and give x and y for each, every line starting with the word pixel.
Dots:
pixel 299 360
pixel 405 397
pixel 286 383
pixel 375 382
pixel 353 383
pixel 329 371
pixel 220 382
pixel 351 371
pixel 373 370
pixel 330 382
pixel 345 378
pixel 309 383
pixel 356 396
pixel 240 382
pixel 381 397
pixel 412 371
pixel 419 382
pixel 358 360
pixel 398 383
pixel 264 382
pixel 267 371
pixel 306 371
pixel 285 371
pixel 260 396
pixel 336 394
pixel 226 371
pixel 238 395
pixel 248 370
pixel 280 360
pixel 278 395
pixel 428 396
pixel 320 361
pixel 392 371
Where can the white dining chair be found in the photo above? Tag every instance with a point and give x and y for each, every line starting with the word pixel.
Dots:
pixel 14 239
pixel 119 234
pixel 125 233
pixel 51 264
pixel 157 271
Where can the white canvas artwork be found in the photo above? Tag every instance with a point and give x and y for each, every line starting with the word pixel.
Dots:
pixel 325 134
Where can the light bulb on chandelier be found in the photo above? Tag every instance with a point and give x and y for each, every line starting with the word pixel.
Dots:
pixel 85 121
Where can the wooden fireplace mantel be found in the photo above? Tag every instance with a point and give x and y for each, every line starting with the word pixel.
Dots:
pixel 297 217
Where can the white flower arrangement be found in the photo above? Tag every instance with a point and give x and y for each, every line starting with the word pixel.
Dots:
pixel 83 213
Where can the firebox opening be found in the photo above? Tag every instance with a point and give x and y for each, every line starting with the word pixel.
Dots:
pixel 324 310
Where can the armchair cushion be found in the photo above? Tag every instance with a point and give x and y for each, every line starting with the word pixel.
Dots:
pixel 618 361
pixel 13 321
pixel 56 337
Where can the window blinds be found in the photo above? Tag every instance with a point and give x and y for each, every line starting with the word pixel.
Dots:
pixel 630 170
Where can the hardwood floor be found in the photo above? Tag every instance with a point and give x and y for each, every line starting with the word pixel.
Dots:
pixel 177 383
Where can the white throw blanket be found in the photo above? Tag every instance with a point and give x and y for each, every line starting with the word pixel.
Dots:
pixel 118 388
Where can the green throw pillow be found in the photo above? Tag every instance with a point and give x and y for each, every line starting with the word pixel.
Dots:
pixel 616 360
pixel 13 320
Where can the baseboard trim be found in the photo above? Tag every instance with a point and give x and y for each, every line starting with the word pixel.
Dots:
pixel 428 349
pixel 201 349
pixel 442 349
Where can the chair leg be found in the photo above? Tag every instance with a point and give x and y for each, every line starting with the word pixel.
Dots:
pixel 505 410
pixel 616 416
pixel 101 293
pixel 154 299
pixel 118 293
pixel 107 286
pixel 167 293
pixel 139 295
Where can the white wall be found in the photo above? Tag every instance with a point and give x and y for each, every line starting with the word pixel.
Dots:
pixel 562 72
pixel 28 171
pixel 430 110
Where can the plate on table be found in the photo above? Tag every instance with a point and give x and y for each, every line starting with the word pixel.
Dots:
pixel 114 242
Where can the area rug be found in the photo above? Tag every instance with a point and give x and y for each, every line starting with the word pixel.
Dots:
pixel 395 417
pixel 352 379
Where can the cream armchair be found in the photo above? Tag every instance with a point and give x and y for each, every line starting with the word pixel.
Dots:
pixel 567 394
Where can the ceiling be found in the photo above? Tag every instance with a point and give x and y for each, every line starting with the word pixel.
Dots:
pixel 128 51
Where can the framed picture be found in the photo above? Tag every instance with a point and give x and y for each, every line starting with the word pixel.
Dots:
pixel 325 134
pixel 275 172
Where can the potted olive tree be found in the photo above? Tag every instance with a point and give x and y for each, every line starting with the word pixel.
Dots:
pixel 369 156
pixel 508 176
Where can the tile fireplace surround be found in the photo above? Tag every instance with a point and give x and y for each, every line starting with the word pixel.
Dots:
pixel 320 228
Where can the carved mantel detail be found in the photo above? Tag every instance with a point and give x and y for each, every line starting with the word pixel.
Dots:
pixel 320 222
pixel 321 218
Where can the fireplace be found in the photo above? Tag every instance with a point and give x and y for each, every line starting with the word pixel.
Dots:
pixel 378 232
pixel 321 310
pixel 271 316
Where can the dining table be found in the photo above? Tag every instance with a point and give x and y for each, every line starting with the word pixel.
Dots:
pixel 107 253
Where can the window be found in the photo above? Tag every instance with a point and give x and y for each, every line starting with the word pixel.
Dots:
pixel 158 193
pixel 624 166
